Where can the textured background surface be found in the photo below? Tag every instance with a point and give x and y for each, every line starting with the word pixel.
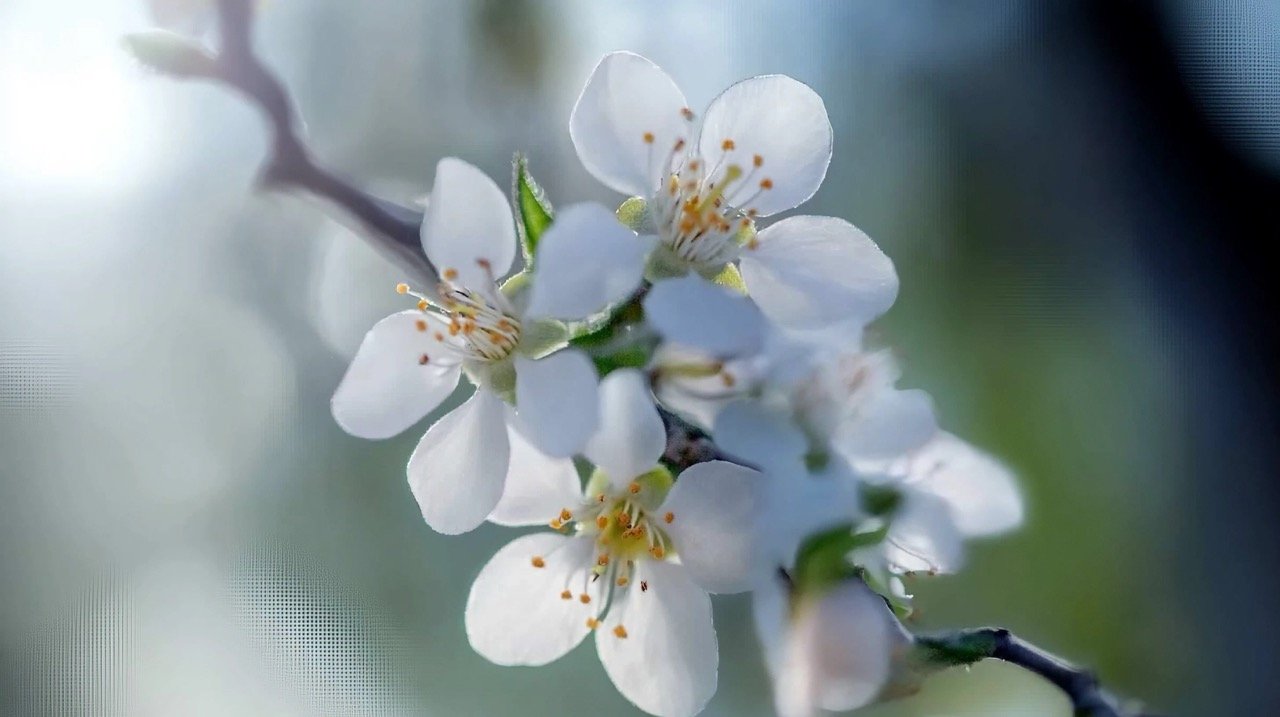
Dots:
pixel 1077 199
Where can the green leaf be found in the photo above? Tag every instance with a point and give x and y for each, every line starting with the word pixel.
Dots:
pixel 533 210
pixel 170 53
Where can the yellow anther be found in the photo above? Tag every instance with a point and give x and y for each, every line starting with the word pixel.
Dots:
pixel 620 631
pixel 657 552
pixel 566 595
pixel 766 183
pixel 423 304
pixel 669 517
pixel 484 263
pixel 603 559
pixel 687 113
pixel 439 336
pixel 592 623
pixel 624 519
pixel 602 522
pixel 622 581
pixel 556 524
pixel 584 598
pixel 402 288
pixel 450 274
pixel 538 562
pixel 633 488
pixel 423 360
pixel 422 325
pixel 565 515
pixel 678 146
pixel 648 138
pixel 600 498
pixel 757 160
pixel 727 145
pixel 693 166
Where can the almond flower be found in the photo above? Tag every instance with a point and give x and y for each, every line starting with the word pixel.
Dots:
pixel 504 337
pixel 633 559
pixel 762 147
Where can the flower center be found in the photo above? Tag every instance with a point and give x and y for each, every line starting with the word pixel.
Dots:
pixel 704 211
pixel 626 530
pixel 483 325
pixel 488 332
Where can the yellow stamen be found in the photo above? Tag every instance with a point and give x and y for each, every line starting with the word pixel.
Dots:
pixel 620 631
pixel 402 288
pixel 538 562
pixel 669 517
pixel 566 595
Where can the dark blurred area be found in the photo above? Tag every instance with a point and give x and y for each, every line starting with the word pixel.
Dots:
pixel 1081 199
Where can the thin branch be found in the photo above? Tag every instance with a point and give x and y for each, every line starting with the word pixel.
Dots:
pixel 392 229
pixel 688 445
pixel 965 647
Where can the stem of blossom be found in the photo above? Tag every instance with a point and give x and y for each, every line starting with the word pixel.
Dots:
pixel 688 445
pixel 392 229
pixel 965 647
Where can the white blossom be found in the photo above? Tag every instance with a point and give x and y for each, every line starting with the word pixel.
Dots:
pixel 506 338
pixel 633 560
pixel 762 147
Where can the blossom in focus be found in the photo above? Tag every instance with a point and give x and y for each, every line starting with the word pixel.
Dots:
pixel 761 148
pixel 506 337
pixel 633 559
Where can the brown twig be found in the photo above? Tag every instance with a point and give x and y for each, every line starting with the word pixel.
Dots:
pixel 1081 686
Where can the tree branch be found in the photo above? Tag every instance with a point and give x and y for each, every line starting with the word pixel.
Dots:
pixel 688 445
pixel 392 229
pixel 965 647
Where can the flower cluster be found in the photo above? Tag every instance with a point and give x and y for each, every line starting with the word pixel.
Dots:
pixel 685 306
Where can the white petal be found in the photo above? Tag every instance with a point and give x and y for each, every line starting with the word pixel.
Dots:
pixel 515 612
pixel 784 122
pixel 666 665
pixel 923 536
pixel 457 470
pixel 468 220
pixel 981 491
pixel 538 486
pixel 713 507
pixel 892 423
pixel 751 431
pixel 771 615
pixel 837 654
pixel 694 312
pixel 586 261
pixel 387 388
pixel 811 271
pixel 626 97
pixel 557 399
pixel 631 437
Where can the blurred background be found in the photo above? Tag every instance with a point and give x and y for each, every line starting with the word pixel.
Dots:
pixel 1081 199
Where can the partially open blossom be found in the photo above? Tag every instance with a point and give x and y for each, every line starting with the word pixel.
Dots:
pixel 762 147
pixel 633 559
pixel 506 337
pixel 832 650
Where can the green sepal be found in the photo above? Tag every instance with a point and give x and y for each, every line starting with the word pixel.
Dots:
pixel 823 558
pixel 880 500
pixel 533 211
